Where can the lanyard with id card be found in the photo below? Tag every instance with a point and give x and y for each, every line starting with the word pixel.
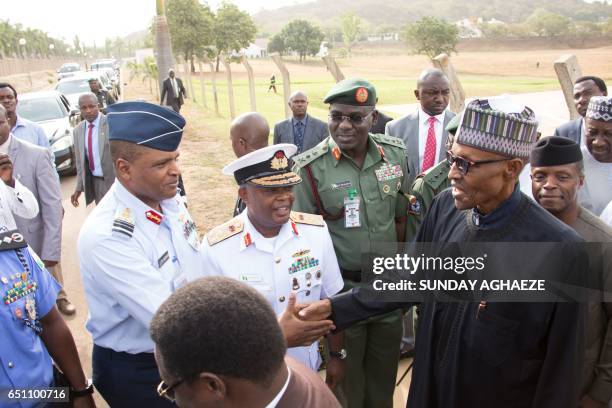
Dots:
pixel 351 210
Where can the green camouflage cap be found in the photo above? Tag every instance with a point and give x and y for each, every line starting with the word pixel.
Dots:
pixel 352 91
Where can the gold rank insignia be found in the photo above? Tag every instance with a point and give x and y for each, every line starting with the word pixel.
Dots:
pixel 224 231
pixel 279 161
pixel 308 219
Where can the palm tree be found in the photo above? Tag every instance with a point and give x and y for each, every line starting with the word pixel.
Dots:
pixel 163 47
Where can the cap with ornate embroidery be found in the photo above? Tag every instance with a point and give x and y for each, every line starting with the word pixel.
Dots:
pixel 600 108
pixel 352 91
pixel 499 125
pixel 145 124
pixel 266 167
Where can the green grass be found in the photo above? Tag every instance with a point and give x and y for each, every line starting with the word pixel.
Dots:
pixel 390 92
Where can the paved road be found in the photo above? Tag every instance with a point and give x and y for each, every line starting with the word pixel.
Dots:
pixel 549 107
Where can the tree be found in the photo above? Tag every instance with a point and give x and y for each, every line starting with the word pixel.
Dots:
pixel 277 44
pixel 431 36
pixel 234 30
pixel 302 37
pixel 547 24
pixel 191 27
pixel 351 28
pixel 163 46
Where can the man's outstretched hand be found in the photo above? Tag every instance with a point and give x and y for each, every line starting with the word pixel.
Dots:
pixel 315 311
pixel 299 332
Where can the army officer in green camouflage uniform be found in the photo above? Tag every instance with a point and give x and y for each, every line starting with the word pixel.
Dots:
pixel 355 180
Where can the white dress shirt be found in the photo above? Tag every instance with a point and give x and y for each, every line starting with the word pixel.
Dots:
pixel 95 146
pixel 424 129
pixel 127 274
pixel 606 215
pixel 597 190
pixel 16 200
pixel 266 265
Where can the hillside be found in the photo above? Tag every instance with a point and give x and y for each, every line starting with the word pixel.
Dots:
pixel 398 12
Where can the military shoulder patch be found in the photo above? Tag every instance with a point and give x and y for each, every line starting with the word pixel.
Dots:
pixel 387 139
pixel 437 176
pixel 310 155
pixel 224 231
pixel 123 224
pixel 305 218
pixel 414 205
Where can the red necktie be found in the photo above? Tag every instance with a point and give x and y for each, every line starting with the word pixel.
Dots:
pixel 90 158
pixel 429 158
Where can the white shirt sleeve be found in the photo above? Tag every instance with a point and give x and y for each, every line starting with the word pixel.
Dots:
pixel 606 215
pixel 331 276
pixel 21 201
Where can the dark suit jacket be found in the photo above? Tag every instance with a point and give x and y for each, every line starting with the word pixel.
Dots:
pixel 407 129
pixel 33 167
pixel 168 92
pixel 381 123
pixel 84 177
pixel 316 130
pixel 571 130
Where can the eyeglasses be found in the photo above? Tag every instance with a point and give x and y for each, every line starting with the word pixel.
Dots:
pixel 354 118
pixel 167 391
pixel 464 165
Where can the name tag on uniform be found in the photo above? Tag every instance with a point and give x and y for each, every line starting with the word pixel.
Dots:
pixel 251 277
pixel 351 213
pixel 163 259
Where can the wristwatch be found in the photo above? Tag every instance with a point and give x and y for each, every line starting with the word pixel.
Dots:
pixel 88 390
pixel 341 355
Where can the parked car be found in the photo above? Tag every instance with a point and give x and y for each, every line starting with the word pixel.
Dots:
pixel 52 111
pixel 68 70
pixel 78 84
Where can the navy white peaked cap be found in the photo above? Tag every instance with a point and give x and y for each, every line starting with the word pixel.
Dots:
pixel 145 124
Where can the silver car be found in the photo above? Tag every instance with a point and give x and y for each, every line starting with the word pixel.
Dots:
pixel 52 111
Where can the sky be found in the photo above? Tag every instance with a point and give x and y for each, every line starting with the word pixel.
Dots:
pixel 97 20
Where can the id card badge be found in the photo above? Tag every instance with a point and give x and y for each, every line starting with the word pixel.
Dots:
pixel 351 210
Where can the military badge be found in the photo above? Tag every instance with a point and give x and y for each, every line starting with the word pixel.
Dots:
pixel 336 153
pixel 154 217
pixel 279 161
pixel 361 95
pixel 301 253
pixel 415 206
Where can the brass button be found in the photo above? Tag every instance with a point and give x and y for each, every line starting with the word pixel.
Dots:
pixel 281 299
pixel 277 259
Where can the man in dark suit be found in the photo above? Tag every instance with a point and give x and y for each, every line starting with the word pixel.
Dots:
pixel 95 171
pixel 381 123
pixel 424 131
pixel 174 91
pixel 302 130
pixel 584 88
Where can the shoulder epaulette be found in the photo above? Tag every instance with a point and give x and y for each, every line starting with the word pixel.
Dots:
pixel 437 175
pixel 309 155
pixel 305 218
pixel 123 224
pixel 387 139
pixel 224 231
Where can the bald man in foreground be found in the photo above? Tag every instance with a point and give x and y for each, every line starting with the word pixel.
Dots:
pixel 248 132
pixel 302 130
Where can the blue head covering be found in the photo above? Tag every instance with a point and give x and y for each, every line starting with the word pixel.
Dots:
pixel 145 124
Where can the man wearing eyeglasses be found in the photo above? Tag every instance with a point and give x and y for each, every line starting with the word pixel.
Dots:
pixel 485 353
pixel 355 179
pixel 424 132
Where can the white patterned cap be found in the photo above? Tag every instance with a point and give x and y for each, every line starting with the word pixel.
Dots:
pixel 600 108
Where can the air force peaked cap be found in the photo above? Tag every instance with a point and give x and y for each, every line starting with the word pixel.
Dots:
pixel 145 124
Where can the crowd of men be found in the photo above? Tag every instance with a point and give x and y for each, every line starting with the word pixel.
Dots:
pixel 237 318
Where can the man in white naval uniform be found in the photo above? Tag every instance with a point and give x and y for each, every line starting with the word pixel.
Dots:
pixel 277 251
